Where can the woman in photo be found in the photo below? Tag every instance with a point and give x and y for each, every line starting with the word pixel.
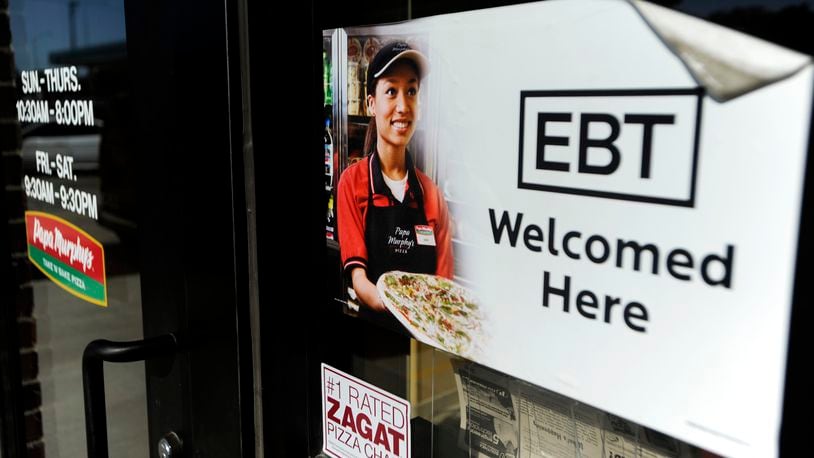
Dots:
pixel 391 215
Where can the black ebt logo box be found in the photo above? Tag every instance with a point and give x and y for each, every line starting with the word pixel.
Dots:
pixel 639 145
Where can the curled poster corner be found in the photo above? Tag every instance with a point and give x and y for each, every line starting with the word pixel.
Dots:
pixel 727 63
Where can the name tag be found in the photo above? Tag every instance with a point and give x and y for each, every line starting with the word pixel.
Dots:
pixel 424 235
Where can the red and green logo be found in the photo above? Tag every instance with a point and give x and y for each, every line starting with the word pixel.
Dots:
pixel 67 255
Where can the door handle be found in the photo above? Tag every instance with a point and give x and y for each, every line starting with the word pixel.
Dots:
pixel 93 380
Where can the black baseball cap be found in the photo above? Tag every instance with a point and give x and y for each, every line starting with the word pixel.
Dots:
pixel 390 53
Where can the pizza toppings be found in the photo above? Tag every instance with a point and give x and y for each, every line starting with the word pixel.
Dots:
pixel 435 308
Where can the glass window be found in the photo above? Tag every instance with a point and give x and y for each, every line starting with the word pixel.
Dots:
pixel 73 105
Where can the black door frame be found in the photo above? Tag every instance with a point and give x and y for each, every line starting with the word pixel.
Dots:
pixel 187 126
pixel 288 218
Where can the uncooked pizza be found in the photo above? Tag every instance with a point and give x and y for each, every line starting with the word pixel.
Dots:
pixel 435 308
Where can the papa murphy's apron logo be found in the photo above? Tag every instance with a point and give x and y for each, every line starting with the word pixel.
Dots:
pixel 67 255
pixel 639 145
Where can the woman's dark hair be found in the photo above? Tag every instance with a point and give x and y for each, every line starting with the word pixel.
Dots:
pixel 370 137
pixel 371 134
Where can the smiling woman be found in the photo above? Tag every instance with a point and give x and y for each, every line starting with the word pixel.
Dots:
pixel 391 215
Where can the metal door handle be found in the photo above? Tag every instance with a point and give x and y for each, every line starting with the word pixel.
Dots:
pixel 93 380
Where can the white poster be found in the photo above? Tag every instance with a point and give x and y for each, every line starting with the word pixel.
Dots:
pixel 624 184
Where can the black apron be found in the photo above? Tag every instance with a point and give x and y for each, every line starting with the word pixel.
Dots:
pixel 390 234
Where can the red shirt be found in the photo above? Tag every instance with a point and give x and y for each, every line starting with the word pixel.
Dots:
pixel 352 203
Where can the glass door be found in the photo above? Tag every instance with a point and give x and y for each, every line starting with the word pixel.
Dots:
pixel 123 230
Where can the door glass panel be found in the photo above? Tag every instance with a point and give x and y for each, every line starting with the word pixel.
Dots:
pixel 79 201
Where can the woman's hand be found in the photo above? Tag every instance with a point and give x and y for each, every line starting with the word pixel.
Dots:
pixel 365 290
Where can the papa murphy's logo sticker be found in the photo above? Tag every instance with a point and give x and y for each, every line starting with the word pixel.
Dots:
pixel 67 255
pixel 360 420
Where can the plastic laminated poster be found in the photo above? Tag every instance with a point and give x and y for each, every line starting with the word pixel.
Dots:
pixel 625 188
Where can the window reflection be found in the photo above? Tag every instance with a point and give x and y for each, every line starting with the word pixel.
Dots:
pixel 73 91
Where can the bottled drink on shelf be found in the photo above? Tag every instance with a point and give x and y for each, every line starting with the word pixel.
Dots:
pixel 329 154
pixel 330 223
pixel 326 78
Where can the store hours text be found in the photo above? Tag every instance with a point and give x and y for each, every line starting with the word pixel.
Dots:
pixel 42 188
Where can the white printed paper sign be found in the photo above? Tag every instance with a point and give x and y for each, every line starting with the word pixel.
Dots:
pixel 624 183
pixel 361 420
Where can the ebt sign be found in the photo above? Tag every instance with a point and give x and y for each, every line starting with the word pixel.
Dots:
pixel 639 145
